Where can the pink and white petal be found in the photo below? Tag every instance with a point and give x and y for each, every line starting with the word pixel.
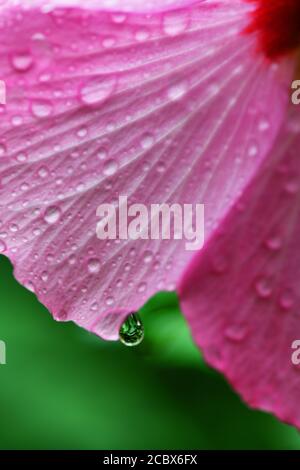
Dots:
pixel 123 6
pixel 241 296
pixel 169 107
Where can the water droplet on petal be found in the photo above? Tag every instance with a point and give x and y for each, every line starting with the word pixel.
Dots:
pixel 81 133
pixel 177 91
pixel 141 35
pixel 264 288
pixel 102 153
pixel 98 90
pixel 274 243
pixel 42 108
pixel 132 331
pixel 110 168
pixel 94 266
pixel 175 23
pixel 119 18
pixel 43 172
pixel 110 300
pixel 236 333
pixel 253 150
pixel 147 141
pixel 148 257
pixel 22 61
pixel 16 120
pixel 94 307
pixel 287 301
pixel 109 42
pixel 44 276
pixel 52 215
pixel 142 287
pixel 264 124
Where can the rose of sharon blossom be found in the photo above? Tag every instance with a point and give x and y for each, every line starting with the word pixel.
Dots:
pixel 164 102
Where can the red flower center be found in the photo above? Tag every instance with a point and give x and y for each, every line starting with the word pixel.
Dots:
pixel 277 23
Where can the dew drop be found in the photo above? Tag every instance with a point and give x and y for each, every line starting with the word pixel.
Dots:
pixel 253 150
pixel 119 18
pixel 141 35
pixel 147 141
pixel 264 288
pixel 22 157
pixel 292 187
pixel 235 333
pixel 44 276
pixel 94 307
pixel 161 168
pixel 142 287
pixel 148 257
pixel 52 215
pixel 287 301
pixel 102 153
pixel 14 228
pixel 177 91
pixel 98 90
pixel 94 266
pixel 174 23
pixel 264 124
pixel 43 172
pixel 16 120
pixel 81 133
pixel 132 331
pixel 30 286
pixel 110 168
pixel 110 300
pixel 61 315
pixel 108 42
pixel 22 62
pixel 274 243
pixel 42 108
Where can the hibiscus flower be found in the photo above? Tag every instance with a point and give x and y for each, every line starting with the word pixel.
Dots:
pixel 175 102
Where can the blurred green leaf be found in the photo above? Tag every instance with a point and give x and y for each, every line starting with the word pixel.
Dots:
pixel 63 388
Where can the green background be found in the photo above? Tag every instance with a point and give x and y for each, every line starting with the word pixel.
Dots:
pixel 63 388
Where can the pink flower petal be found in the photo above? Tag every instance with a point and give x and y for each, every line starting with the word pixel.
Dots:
pixel 241 296
pixel 171 107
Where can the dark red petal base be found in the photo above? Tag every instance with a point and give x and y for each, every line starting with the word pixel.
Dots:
pixel 277 23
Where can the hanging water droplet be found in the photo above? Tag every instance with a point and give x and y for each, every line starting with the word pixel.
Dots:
pixel 132 331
